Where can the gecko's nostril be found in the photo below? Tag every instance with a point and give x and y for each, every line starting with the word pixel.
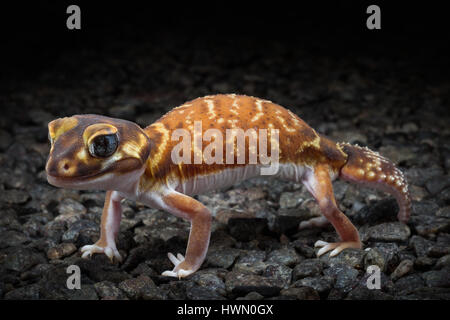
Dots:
pixel 65 166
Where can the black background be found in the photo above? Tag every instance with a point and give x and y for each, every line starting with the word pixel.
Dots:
pixel 33 34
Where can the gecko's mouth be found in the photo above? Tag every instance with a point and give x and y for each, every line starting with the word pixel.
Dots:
pixel 60 181
pixel 96 179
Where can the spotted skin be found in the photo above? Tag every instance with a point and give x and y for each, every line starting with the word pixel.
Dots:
pixel 142 168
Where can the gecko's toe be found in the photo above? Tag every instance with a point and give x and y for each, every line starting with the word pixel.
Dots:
pixel 337 247
pixel 169 273
pixel 111 252
pixel 179 271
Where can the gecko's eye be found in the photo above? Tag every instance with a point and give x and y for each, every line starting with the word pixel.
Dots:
pixel 103 146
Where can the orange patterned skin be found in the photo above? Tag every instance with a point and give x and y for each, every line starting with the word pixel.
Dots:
pixel 300 143
pixel 96 152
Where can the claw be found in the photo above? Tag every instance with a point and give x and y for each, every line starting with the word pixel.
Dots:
pixel 178 273
pixel 111 252
pixel 337 247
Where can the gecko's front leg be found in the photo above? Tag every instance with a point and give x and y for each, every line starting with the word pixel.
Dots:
pixel 200 217
pixel 112 213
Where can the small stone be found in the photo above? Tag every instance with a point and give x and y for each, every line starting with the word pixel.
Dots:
pixel 424 263
pixel 389 232
pixel 76 228
pixel 87 292
pixel 251 296
pixel 143 269
pixel 287 256
pixel 30 292
pixel 69 206
pixel 222 258
pixel 438 250
pixel 409 283
pixel 108 290
pixel 257 267
pixel 278 272
pixel 437 184
pixel 202 293
pixel 443 262
pixel 60 251
pixel 426 293
pixel 36 272
pixel 307 268
pixel 210 280
pixel 351 257
pixel 21 259
pixel 303 293
pixel 424 207
pixel 375 257
pixel 12 238
pixel 241 284
pixel 139 287
pixel 402 269
pixel 363 293
pixel 390 251
pixel 417 193
pixel 290 200
pixel 437 278
pixel 418 176
pixel 397 154
pixel 420 245
pixel 320 284
pixel 251 256
pixel 345 277
pixel 444 212
pixel 14 196
pixel 304 249
pixel 427 225
pixel 70 211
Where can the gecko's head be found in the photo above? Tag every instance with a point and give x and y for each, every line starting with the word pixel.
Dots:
pixel 95 152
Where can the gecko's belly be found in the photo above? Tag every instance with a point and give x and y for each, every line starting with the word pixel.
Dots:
pixel 231 176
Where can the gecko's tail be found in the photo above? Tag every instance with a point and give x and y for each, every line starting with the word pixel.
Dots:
pixel 369 168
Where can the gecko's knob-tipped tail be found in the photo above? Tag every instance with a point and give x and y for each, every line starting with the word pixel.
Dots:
pixel 369 168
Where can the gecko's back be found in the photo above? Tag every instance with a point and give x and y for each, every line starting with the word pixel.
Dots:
pixel 298 143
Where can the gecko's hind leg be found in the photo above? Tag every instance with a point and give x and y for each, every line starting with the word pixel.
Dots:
pixel 318 182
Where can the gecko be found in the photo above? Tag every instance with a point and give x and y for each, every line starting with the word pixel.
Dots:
pixel 129 162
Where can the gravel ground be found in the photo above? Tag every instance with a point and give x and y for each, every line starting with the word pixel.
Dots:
pixel 395 104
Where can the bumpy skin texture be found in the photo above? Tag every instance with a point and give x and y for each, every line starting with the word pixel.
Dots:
pixel 142 168
pixel 299 143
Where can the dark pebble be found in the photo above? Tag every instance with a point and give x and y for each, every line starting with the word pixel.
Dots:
pixel 307 268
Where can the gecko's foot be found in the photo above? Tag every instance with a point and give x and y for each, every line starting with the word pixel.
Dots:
pixel 110 251
pixel 314 222
pixel 180 270
pixel 337 247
